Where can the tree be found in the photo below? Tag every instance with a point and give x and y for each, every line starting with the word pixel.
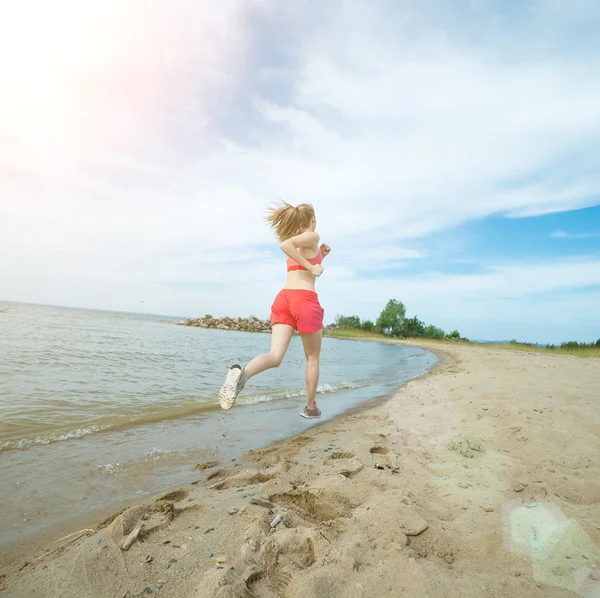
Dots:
pixel 569 345
pixel 454 334
pixel 413 327
pixel 347 321
pixel 368 325
pixel 391 319
pixel 598 343
pixel 432 331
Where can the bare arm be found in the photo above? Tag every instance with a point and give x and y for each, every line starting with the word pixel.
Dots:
pixel 290 247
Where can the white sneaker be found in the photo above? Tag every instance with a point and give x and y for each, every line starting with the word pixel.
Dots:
pixel 234 383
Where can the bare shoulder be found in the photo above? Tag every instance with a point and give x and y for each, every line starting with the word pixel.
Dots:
pixel 307 239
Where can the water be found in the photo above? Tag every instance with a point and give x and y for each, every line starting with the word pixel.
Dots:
pixel 99 407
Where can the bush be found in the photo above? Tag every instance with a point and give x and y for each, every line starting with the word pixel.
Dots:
pixel 521 343
pixel 413 327
pixel 368 326
pixel 348 322
pixel 432 331
pixel 454 334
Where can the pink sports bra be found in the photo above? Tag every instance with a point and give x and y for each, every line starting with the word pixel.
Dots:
pixel 294 265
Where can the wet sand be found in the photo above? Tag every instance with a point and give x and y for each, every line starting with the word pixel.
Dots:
pixel 478 479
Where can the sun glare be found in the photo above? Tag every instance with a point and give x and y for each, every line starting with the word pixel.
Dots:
pixel 63 66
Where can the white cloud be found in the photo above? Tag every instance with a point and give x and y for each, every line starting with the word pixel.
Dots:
pixel 136 152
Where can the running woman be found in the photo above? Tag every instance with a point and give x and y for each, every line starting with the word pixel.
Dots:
pixel 296 307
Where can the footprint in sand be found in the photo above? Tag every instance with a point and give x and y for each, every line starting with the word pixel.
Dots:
pixel 336 456
pixel 314 507
pixel 220 474
pixel 240 481
pixel 174 496
pixel 379 450
pixel 345 464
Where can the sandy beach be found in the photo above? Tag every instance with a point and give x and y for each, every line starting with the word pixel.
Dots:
pixel 478 479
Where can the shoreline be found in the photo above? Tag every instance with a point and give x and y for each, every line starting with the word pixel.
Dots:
pixel 435 492
pixel 49 535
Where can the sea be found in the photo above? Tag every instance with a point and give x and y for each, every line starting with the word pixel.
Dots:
pixel 99 408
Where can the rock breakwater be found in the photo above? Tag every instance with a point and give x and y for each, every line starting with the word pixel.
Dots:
pixel 252 324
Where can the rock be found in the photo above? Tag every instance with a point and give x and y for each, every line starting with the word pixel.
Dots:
pixel 252 324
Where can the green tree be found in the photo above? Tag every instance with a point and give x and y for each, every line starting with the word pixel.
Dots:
pixel 391 319
pixel 413 327
pixel 454 334
pixel 368 325
pixel 598 343
pixel 348 321
pixel 432 331
pixel 569 345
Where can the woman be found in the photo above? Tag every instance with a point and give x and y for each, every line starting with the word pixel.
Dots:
pixel 296 307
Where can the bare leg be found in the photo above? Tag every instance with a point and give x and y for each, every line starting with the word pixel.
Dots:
pixel 312 350
pixel 281 335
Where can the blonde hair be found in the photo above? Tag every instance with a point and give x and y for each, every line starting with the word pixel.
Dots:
pixel 288 221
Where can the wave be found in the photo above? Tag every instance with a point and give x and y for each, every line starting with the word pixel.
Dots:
pixel 163 414
pixel 24 443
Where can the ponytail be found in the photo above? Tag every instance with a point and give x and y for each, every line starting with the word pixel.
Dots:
pixel 288 221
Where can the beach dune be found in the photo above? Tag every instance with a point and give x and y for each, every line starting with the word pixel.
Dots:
pixel 478 479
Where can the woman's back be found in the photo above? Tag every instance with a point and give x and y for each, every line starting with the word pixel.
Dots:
pixel 298 277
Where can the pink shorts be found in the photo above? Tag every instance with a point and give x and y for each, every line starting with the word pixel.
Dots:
pixel 298 308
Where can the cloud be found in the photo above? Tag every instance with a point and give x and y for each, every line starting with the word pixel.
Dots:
pixel 137 154
pixel 560 234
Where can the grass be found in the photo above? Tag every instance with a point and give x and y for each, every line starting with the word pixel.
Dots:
pixel 528 348
pixel 576 351
pixel 353 333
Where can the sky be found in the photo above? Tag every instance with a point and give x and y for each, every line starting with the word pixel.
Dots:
pixel 451 151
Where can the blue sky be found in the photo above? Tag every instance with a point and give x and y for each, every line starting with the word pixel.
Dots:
pixel 451 149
